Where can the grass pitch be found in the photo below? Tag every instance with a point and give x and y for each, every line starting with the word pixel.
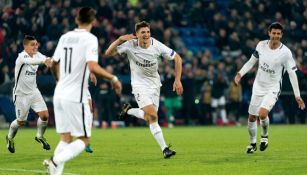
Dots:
pixel 200 151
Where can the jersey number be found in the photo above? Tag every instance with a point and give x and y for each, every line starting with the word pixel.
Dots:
pixel 67 65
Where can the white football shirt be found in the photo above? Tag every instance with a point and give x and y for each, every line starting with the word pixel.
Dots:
pixel 25 72
pixel 272 64
pixel 144 62
pixel 74 50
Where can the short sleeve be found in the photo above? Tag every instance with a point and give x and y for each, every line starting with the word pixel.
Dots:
pixel 91 51
pixel 165 51
pixel 57 53
pixel 122 49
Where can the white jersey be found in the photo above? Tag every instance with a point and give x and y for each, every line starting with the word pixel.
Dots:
pixel 73 51
pixel 272 64
pixel 25 72
pixel 144 62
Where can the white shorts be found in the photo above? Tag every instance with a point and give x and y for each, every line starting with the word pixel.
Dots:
pixel 264 101
pixel 216 102
pixel 72 117
pixel 23 103
pixel 145 97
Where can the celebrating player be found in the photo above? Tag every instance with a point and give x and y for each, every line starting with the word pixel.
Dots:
pixel 274 58
pixel 77 56
pixel 26 94
pixel 143 53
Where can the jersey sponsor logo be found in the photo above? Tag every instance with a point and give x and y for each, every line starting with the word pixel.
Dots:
pixel 30 73
pixel 26 56
pixel 145 64
pixel 266 68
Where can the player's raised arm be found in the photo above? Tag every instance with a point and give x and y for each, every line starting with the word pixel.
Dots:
pixel 112 50
pixel 177 86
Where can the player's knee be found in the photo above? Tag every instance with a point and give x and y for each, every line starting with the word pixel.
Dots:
pixel 21 123
pixel 152 117
pixel 44 115
pixel 263 114
pixel 252 118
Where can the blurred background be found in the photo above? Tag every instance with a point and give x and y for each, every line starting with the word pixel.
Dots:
pixel 214 38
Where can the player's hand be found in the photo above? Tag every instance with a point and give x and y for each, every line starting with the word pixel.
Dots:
pixel 177 86
pixel 48 62
pixel 93 79
pixel 117 85
pixel 127 37
pixel 237 78
pixel 300 103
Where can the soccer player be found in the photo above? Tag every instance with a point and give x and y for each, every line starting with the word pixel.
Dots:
pixel 26 94
pixel 75 57
pixel 143 53
pixel 274 58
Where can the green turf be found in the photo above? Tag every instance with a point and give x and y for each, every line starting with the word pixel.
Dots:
pixel 200 151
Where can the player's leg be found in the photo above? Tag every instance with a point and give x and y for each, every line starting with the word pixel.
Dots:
pixel 62 121
pixel 128 110
pixel 79 126
pixel 22 110
pixel 40 107
pixel 88 147
pixel 252 122
pixel 265 107
pixel 252 130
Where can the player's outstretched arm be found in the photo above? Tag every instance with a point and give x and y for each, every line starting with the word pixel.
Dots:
pixel 112 50
pixel 99 71
pixel 246 67
pixel 296 89
pixel 177 86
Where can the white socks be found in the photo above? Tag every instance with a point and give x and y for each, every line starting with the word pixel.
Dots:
pixel 137 112
pixel 13 129
pixel 41 127
pixel 69 152
pixel 252 129
pixel 265 126
pixel 158 135
pixel 60 147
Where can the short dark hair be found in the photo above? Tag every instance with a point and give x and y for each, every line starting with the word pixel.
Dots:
pixel 86 15
pixel 276 25
pixel 27 39
pixel 140 25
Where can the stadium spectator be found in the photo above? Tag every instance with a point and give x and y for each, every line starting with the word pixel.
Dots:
pixel 272 57
pixel 143 53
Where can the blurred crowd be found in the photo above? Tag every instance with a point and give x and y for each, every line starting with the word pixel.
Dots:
pixel 233 28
